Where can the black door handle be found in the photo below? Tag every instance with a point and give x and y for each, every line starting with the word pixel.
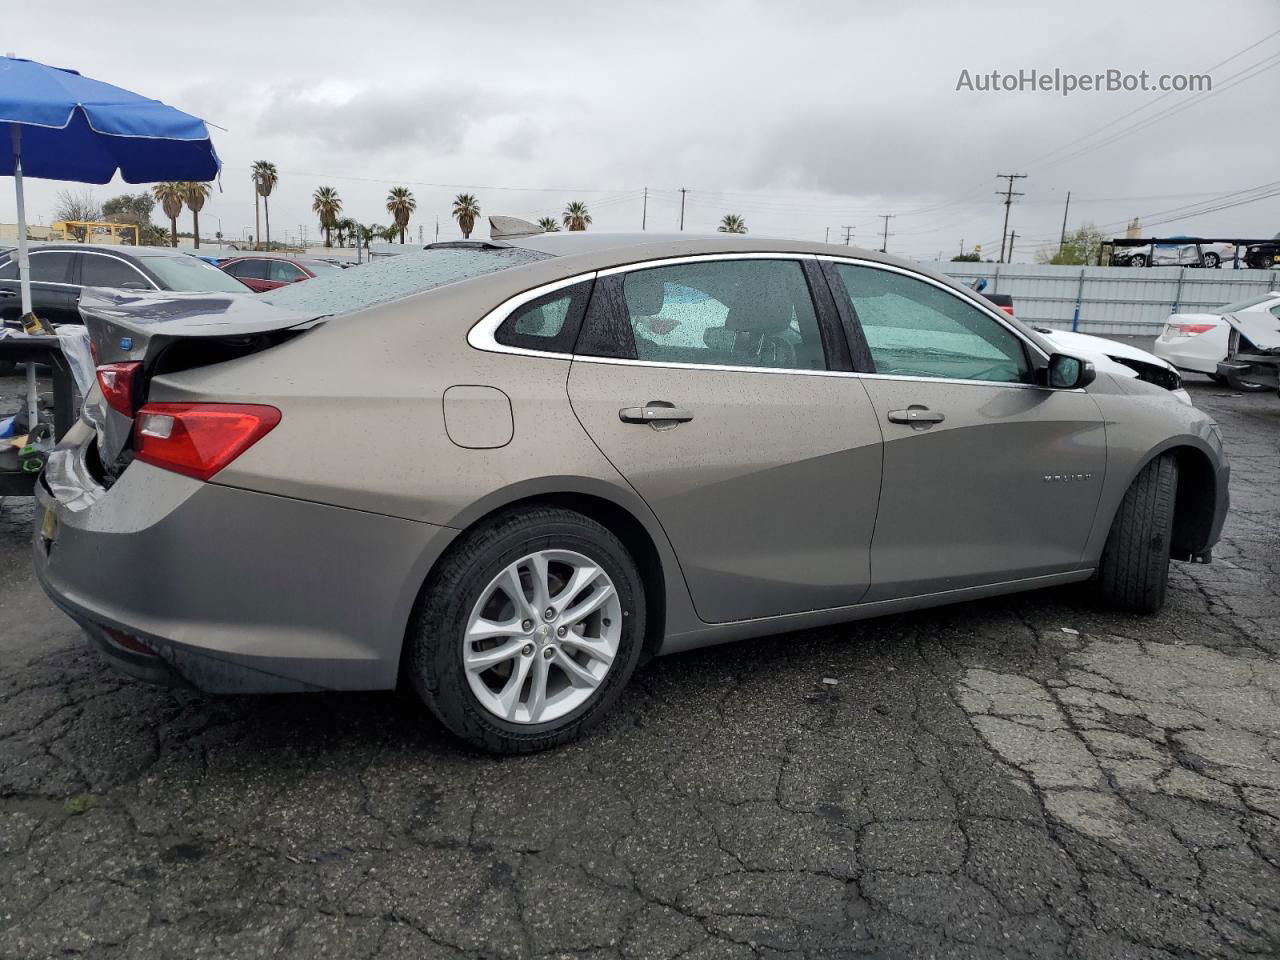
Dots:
pixel 655 411
pixel 915 414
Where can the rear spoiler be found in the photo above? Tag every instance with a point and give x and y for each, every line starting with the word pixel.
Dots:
pixel 136 325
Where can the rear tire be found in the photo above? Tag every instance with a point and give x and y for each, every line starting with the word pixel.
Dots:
pixel 1134 569
pixel 456 594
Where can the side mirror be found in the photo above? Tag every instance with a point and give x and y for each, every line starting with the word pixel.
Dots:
pixel 1067 373
pixel 134 285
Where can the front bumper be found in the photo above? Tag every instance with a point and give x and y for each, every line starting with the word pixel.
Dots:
pixel 232 590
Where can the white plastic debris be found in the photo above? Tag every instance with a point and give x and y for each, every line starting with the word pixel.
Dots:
pixel 1071 630
pixel 830 681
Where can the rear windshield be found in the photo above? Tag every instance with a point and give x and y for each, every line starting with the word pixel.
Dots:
pixel 192 274
pixel 389 278
pixel 1245 304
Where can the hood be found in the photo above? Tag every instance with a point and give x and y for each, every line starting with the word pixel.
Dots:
pixel 1118 359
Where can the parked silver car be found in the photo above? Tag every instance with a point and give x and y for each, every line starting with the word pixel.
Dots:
pixel 507 472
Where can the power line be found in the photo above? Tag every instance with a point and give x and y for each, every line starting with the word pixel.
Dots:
pixel 848 233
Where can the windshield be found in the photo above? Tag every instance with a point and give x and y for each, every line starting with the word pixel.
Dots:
pixel 1245 304
pixel 193 275
pixel 390 278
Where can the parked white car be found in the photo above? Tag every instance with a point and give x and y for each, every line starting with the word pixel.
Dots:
pixel 1175 254
pixel 1198 341
pixel 1118 359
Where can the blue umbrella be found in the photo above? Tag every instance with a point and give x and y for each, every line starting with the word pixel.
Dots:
pixel 63 126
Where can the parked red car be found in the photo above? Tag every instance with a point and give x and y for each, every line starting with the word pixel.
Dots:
pixel 267 273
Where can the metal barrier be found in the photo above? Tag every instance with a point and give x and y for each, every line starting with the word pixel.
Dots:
pixel 1123 300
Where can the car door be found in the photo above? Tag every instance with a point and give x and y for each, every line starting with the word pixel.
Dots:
pixel 708 383
pixel 987 476
pixel 108 270
pixel 54 296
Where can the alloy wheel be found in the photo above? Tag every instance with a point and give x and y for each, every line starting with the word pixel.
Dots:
pixel 542 636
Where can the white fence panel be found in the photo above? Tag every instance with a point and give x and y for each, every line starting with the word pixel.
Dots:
pixel 1123 300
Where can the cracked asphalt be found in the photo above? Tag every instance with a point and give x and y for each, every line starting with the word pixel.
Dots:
pixel 1023 777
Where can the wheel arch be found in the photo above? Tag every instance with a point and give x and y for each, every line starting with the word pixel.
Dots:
pixel 1196 515
pixel 627 518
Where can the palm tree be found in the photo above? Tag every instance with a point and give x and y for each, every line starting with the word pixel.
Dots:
pixel 370 232
pixel 465 210
pixel 171 194
pixel 265 179
pixel 326 205
pixel 389 233
pixel 400 204
pixel 348 229
pixel 576 216
pixel 549 224
pixel 732 223
pixel 196 194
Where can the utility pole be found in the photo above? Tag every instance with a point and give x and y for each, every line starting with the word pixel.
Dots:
pixel 848 233
pixel 1013 235
pixel 644 212
pixel 437 228
pixel 1062 242
pixel 962 246
pixel 1008 194
pixel 884 244
pixel 683 191
pixel 827 236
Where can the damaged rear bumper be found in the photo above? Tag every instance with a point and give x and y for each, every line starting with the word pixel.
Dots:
pixel 228 590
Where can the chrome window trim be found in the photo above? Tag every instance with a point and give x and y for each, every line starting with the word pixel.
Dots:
pixel 151 284
pixel 46 283
pixel 481 334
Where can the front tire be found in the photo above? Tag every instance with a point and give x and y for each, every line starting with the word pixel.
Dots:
pixel 1134 570
pixel 1212 260
pixel 527 632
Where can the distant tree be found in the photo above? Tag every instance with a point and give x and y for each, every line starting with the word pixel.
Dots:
pixel 732 223
pixel 172 194
pixel 196 195
pixel 1080 248
pixel 134 209
pixel 549 224
pixel 370 232
pixel 967 258
pixel 400 204
pixel 77 205
pixel 575 216
pixel 265 178
pixel 465 210
pixel 390 233
pixel 327 205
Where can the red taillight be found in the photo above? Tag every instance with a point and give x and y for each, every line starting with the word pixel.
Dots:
pixel 1191 329
pixel 117 380
pixel 1007 308
pixel 199 439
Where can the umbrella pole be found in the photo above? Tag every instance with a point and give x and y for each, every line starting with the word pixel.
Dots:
pixel 24 269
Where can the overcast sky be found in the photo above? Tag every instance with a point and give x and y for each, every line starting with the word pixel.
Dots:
pixel 800 116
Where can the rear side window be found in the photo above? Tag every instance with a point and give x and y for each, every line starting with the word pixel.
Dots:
pixel 745 313
pixel 251 269
pixel 51 267
pixel 549 323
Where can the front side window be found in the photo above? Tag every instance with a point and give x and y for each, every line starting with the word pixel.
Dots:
pixel 99 270
pixel 251 269
pixel 915 329
pixel 285 272
pixel 746 313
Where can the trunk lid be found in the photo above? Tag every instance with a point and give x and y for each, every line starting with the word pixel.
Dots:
pixel 165 332
pixel 1261 328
